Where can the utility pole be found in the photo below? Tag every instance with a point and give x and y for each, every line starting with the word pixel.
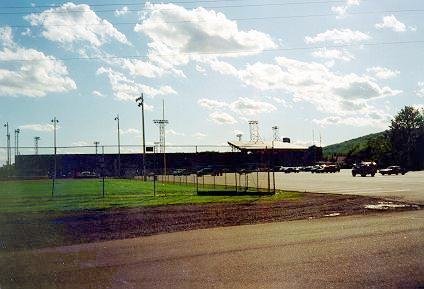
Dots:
pixel 140 102
pixel 96 145
pixel 8 152
pixel 119 146
pixel 36 139
pixel 55 122
pixel 17 131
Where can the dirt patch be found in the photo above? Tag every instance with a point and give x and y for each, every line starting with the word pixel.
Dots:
pixel 21 231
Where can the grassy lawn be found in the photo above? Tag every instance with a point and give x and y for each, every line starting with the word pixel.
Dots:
pixel 72 195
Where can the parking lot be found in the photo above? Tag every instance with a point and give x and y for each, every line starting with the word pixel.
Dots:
pixel 409 187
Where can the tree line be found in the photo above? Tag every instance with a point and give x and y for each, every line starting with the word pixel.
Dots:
pixel 401 144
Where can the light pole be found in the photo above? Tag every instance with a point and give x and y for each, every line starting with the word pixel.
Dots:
pixel 119 146
pixel 36 139
pixel 96 145
pixel 140 103
pixel 17 131
pixel 55 122
pixel 8 154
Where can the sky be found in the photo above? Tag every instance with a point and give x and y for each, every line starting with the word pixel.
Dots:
pixel 338 69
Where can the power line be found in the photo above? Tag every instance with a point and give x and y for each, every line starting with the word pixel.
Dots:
pixel 173 2
pixel 222 52
pixel 231 19
pixel 150 9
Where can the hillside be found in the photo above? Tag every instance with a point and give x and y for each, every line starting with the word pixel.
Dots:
pixel 353 145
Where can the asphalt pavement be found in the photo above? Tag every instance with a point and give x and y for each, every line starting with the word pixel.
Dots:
pixel 377 251
pixel 409 187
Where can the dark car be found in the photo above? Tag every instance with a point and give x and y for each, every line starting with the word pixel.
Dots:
pixel 393 170
pixel 364 168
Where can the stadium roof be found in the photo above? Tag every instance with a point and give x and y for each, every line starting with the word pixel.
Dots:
pixel 261 145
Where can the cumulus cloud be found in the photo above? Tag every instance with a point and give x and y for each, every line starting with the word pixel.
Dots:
pixel 41 127
pixel 130 131
pixel 380 121
pixel 122 11
pixel 178 35
pixel 29 72
pixel 222 118
pixel 97 93
pixel 211 103
pixel 248 106
pixel 390 22
pixel 72 23
pixel 6 37
pixel 420 89
pixel 199 135
pixel 341 95
pixel 128 90
pixel 342 10
pixel 338 36
pixel 174 133
pixel 338 54
pixel 383 72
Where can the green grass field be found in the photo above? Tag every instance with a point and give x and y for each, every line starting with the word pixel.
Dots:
pixel 71 194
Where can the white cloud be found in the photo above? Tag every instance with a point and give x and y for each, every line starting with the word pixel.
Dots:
pixel 29 72
pixel 122 11
pixel 377 121
pixel 338 36
pixel 419 106
pixel 199 135
pixel 222 118
pixel 130 131
pixel 211 104
pixel 39 127
pixel 97 93
pixel 339 54
pixel 71 23
pixel 80 143
pixel 341 10
pixel 6 36
pixel 383 72
pixel 341 95
pixel 178 35
pixel 127 89
pixel 248 106
pixel 174 133
pixel 392 23
pixel 420 89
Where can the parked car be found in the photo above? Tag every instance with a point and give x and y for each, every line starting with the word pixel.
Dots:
pixel 315 168
pixel 181 172
pixel 364 168
pixel 288 170
pixel 393 170
pixel 86 175
pixel 328 169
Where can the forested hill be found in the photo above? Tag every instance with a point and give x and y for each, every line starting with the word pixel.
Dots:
pixel 350 146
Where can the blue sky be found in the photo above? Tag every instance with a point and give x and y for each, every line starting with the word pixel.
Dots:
pixel 341 68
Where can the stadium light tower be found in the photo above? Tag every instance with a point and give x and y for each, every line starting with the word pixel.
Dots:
pixel 17 131
pixel 239 135
pixel 119 146
pixel 96 145
pixel 55 122
pixel 161 123
pixel 254 131
pixel 140 103
pixel 36 139
pixel 8 152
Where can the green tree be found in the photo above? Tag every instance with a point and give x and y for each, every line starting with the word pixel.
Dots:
pixel 405 134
